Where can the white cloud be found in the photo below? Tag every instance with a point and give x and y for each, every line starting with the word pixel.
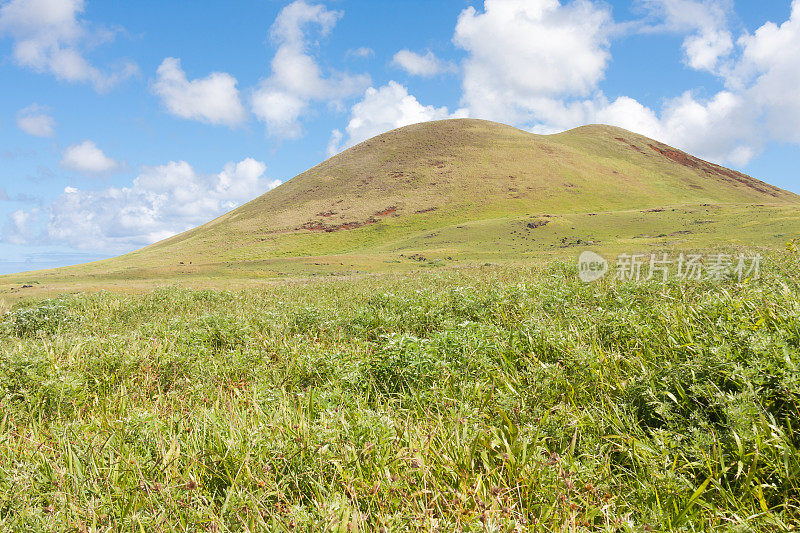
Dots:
pixel 384 109
pixel 708 41
pixel 537 64
pixel 20 226
pixel 34 120
pixel 335 143
pixel 427 65
pixel 241 181
pixel 362 52
pixel 297 80
pixel 770 58
pixel 289 26
pixel 162 201
pixel 213 99
pixel 280 110
pixel 522 53
pixel 720 128
pixel 88 159
pixel 758 105
pixel 49 37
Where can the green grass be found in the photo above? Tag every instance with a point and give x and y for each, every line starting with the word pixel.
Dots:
pixel 386 248
pixel 478 399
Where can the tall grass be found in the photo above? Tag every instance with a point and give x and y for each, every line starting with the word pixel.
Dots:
pixel 478 400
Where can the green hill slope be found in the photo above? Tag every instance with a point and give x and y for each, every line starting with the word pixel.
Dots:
pixel 467 190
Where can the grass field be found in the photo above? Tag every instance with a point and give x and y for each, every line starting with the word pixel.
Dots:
pixel 386 248
pixel 397 340
pixel 475 399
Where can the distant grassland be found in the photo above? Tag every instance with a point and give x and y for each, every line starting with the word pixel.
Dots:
pixel 496 399
pixel 395 246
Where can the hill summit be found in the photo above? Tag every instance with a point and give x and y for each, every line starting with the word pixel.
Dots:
pixel 473 169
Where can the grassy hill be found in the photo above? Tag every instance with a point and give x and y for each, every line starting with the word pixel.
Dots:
pixel 459 192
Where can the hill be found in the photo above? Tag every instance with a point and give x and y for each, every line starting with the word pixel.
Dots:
pixel 459 192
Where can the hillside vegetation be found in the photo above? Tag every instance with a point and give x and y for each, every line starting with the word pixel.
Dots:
pixel 494 399
pixel 456 193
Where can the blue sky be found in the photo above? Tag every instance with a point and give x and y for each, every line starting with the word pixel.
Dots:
pixel 124 122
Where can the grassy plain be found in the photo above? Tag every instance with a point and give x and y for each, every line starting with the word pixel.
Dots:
pixel 492 398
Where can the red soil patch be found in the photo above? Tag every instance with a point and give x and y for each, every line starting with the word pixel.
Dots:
pixel 386 212
pixel 716 171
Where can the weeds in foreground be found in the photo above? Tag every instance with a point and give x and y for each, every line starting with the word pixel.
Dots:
pixel 494 400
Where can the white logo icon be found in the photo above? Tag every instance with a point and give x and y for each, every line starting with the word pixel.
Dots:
pixel 591 266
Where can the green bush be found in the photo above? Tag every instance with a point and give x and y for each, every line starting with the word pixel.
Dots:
pixel 46 318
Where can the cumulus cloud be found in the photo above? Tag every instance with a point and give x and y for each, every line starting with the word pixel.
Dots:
pixel 757 106
pixel 769 66
pixel 213 99
pixel 48 36
pixel 162 201
pixel 708 41
pixel 720 128
pixel 88 159
pixel 20 227
pixel 280 110
pixel 384 109
pixel 35 120
pixel 427 65
pixel 297 79
pixel 549 82
pixel 524 53
pixel 242 181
